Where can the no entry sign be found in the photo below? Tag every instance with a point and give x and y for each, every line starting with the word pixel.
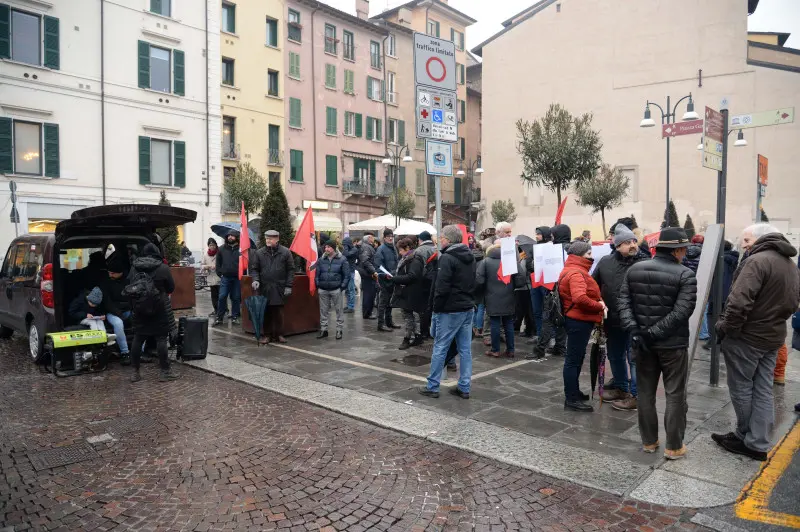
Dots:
pixel 434 62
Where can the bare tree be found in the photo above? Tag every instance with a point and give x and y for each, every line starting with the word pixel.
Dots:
pixel 605 191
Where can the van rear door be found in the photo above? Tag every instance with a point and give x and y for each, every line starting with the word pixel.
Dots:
pixel 122 219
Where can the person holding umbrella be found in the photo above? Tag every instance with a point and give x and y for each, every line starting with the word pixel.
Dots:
pixel 227 269
pixel 272 271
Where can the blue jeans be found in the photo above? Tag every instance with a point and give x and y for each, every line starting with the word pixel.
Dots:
pixel 445 328
pixel 477 321
pixel 507 323
pixel 119 330
pixel 537 300
pixel 351 291
pixel 704 335
pixel 233 287
pixel 618 345
pixel 578 334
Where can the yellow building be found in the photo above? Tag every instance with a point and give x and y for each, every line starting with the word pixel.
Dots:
pixel 252 89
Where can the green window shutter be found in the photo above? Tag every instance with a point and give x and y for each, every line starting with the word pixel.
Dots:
pixel 438 27
pixel 144 160
pixel 383 90
pixel 295 112
pixel 453 34
pixel 402 177
pixel 52 166
pixel 6 150
pixel 331 177
pixel 401 132
pixel 155 6
pixel 294 64
pixel 347 130
pixel 330 76
pixel 462 111
pixel 292 161
pixel 178 73
pixel 144 67
pixel 378 129
pixel 179 148
pixel 335 120
pixel 463 147
pixel 369 88
pixel 370 128
pixel 5 33
pixel 359 128
pixel 51 43
pixel 299 165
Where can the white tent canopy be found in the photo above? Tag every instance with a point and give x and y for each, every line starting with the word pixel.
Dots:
pixel 376 224
pixel 414 227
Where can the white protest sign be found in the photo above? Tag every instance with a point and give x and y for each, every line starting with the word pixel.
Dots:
pixel 548 261
pixel 598 252
pixel 508 256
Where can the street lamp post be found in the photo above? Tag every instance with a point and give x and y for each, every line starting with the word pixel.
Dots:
pixel 666 116
pixel 393 158
pixel 472 169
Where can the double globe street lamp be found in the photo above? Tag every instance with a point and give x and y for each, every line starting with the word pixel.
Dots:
pixel 473 168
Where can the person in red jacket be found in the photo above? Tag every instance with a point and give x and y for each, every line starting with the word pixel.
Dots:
pixel 583 309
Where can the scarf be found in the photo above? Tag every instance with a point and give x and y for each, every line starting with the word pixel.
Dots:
pixel 212 253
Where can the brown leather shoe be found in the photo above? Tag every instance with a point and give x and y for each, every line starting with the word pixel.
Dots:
pixel 677 454
pixel 493 354
pixel 263 340
pixel 281 340
pixel 509 354
pixel 625 405
pixel 613 395
pixel 651 448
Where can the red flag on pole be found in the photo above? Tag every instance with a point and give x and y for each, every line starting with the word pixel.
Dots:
pixel 464 234
pixel 305 245
pixel 244 245
pixel 560 211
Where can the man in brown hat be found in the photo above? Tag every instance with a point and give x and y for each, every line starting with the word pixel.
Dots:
pixel 656 300
pixel 272 270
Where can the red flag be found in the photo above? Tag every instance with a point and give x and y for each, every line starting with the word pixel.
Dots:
pixel 560 211
pixel 652 240
pixel 305 245
pixel 464 234
pixel 244 246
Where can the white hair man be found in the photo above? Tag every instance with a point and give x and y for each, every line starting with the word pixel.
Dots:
pixel 765 292
pixel 502 230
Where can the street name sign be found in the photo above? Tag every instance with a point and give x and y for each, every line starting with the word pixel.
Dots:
pixel 438 158
pixel 712 139
pixel 436 114
pixel 434 62
pixel 775 117
pixel 682 128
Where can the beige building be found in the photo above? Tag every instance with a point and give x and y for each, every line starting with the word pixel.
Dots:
pixel 592 56
pixel 252 92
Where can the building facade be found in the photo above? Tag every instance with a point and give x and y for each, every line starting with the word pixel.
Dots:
pixel 633 59
pixel 108 102
pixel 252 41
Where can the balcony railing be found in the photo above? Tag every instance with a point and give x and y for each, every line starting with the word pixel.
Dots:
pixel 367 188
pixel 275 157
pixel 230 151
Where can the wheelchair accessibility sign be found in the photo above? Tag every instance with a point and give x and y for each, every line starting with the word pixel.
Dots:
pixel 438 116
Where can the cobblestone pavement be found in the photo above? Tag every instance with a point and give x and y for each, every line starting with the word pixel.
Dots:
pixel 208 453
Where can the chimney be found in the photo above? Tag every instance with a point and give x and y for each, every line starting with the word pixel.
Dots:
pixel 362 9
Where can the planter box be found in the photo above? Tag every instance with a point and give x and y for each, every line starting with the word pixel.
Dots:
pixel 184 296
pixel 300 313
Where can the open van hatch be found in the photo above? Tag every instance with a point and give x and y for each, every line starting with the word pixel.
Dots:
pixel 122 219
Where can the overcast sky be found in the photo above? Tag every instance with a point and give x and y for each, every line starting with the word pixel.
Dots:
pixel 771 15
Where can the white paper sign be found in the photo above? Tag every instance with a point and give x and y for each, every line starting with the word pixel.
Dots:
pixel 598 252
pixel 548 261
pixel 508 256
pixel 385 272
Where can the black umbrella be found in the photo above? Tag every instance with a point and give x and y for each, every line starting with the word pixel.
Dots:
pixel 256 306
pixel 526 243
pixel 597 361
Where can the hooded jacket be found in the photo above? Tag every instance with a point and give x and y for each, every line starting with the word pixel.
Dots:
pixel 765 292
pixel 546 234
pixel 498 297
pixel 609 274
pixel 562 234
pixel 692 258
pixel 350 253
pixel 455 280
pixel 580 295
pixel 151 263
pixel 228 259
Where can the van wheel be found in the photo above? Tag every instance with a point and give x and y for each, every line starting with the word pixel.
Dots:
pixel 5 332
pixel 35 343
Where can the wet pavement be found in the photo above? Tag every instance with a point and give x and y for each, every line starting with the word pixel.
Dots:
pixel 95 452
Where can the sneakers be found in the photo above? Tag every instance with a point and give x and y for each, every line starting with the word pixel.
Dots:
pixel 235 321
pixel 405 344
pixel 613 395
pixel 627 404
pixel 458 393
pixel 675 454
pixel 383 328
pixel 167 375
pixel 651 448
pixel 322 334
pixel 731 443
pixel 393 326
pixel 217 322
pixel 417 340
pixel 578 406
pixel 427 393
pixel 136 377
pixel 125 359
pixel 534 356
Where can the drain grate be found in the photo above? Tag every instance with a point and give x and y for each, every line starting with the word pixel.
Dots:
pixel 61 456
pixel 413 360
pixel 130 424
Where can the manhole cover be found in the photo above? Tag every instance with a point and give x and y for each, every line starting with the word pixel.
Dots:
pixel 130 424
pixel 413 360
pixel 61 456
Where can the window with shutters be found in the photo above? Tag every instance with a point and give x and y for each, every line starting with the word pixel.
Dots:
pixel 374 129
pixel 433 28
pixel 228 17
pixel 348 45
pixel 330 39
pixel 161 7
pixel 462 111
pixel 375 54
pixel 349 123
pixel 227 71
pixel 273 81
pixel 349 82
pixel 331 171
pixel 29 38
pixel 458 38
pixel 296 166
pixel 295 30
pixel 330 76
pixel 391 88
pixel 295 114
pixel 392 137
pixel 272 32
pixel 294 65
pixel 460 73
pixel 391 45
pixel 402 180
pixel 330 121
pixel 374 89
pixel 419 187
pixel 160 162
pixel 160 69
pixel 29 148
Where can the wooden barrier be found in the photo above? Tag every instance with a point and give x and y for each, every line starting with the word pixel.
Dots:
pixel 300 313
pixel 183 297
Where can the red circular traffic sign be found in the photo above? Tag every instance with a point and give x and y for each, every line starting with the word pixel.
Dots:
pixel 430 74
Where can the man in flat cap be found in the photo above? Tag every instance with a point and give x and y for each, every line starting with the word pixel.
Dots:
pixel 272 270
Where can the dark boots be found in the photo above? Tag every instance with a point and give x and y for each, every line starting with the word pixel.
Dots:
pixel 405 345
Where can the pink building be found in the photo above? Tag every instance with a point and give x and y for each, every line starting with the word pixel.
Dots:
pixel 335 134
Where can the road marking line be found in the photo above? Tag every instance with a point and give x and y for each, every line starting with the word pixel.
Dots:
pixel 501 368
pixel 752 503
pixel 341 360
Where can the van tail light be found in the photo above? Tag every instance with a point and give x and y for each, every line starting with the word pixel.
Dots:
pixel 48 300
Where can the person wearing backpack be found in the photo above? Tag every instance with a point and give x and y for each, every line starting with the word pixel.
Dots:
pixel 583 309
pixel 150 282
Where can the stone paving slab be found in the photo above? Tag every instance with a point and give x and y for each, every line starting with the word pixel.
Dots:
pixel 667 487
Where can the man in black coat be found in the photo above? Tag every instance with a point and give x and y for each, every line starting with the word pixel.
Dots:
pixel 272 271
pixel 229 284
pixel 158 324
pixel 350 253
pixel 333 274
pixel 609 274
pixel 386 257
pixel 369 277
pixel 656 300
pixel 430 256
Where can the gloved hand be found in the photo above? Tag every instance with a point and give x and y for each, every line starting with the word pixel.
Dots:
pixel 719 329
pixel 287 292
pixel 638 340
pixel 255 286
